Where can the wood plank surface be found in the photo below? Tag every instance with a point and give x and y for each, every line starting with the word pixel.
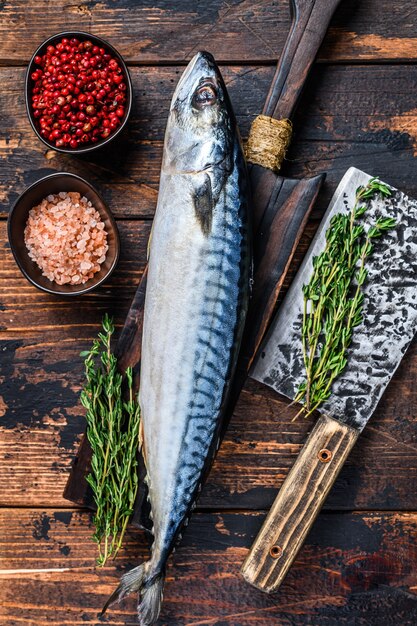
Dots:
pixel 349 115
pixel 238 30
pixel 356 569
pixel 41 422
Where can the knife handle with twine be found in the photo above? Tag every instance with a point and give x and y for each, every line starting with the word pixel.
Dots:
pixel 268 142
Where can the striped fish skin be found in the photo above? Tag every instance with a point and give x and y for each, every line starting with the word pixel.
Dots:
pixel 196 302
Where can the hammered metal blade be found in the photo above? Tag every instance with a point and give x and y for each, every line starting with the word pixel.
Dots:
pixel 390 312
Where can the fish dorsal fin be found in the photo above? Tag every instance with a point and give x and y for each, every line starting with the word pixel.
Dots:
pixel 203 203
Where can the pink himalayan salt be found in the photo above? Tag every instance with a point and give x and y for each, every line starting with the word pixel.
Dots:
pixel 66 237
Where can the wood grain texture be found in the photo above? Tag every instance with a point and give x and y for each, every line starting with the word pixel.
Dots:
pixel 285 214
pixel 239 30
pixel 355 569
pixel 128 352
pixel 348 115
pixel 41 420
pixel 279 217
pixel 298 503
pixel 286 207
pixel 310 21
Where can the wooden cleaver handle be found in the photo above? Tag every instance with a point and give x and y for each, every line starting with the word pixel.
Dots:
pixel 298 503
pixel 310 20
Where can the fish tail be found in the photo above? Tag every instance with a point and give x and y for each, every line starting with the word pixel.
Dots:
pixel 150 599
pixel 149 586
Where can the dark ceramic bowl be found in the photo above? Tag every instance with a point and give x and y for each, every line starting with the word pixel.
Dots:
pixel 82 36
pixel 33 195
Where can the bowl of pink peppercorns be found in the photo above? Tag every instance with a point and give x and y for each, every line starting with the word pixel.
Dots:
pixel 78 92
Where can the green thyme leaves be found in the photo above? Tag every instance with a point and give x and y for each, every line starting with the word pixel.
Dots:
pixel 113 418
pixel 333 299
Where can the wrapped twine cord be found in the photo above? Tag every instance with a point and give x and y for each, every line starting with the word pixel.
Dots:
pixel 268 142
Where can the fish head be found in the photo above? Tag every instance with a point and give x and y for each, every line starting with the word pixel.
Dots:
pixel 201 124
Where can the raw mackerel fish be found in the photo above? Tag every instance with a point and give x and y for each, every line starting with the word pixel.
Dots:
pixel 196 301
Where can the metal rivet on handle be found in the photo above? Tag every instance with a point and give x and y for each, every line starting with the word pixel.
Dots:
pixel 324 455
pixel 275 552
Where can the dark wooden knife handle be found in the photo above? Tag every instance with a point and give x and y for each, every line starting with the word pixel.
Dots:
pixel 310 20
pixel 298 503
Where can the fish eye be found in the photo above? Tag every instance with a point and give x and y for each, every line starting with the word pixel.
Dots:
pixel 204 96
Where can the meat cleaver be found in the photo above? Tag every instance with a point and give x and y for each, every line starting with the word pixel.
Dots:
pixel 378 345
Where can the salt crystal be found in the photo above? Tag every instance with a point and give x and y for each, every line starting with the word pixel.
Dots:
pixel 66 237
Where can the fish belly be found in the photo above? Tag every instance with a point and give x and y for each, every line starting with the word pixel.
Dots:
pixel 191 313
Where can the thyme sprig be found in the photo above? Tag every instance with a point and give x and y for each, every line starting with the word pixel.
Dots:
pixel 113 433
pixel 333 299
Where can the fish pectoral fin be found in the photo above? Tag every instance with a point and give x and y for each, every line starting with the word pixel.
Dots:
pixel 203 202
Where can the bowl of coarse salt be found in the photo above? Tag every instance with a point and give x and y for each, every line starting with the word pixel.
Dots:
pixel 63 236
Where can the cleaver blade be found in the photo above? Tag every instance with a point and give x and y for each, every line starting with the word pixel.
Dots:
pixel 378 345
pixel 390 312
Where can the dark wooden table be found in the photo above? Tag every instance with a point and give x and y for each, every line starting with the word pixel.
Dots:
pixel 359 566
